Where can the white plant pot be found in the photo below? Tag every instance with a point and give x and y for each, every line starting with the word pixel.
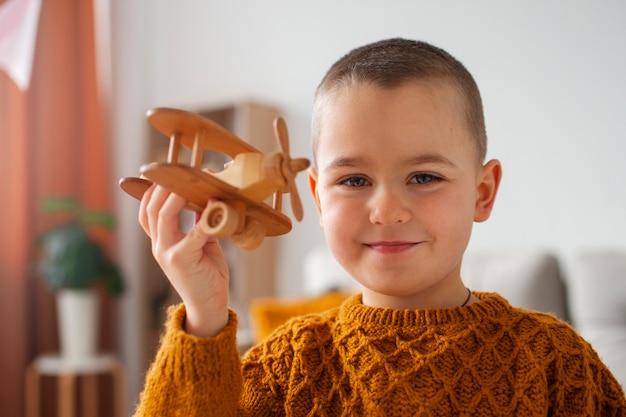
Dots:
pixel 78 315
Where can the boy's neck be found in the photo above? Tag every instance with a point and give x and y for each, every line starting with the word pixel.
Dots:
pixel 428 299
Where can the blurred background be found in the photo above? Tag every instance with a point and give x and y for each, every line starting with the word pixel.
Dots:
pixel 551 76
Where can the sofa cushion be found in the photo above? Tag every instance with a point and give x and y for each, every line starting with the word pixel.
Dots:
pixel 596 284
pixel 527 279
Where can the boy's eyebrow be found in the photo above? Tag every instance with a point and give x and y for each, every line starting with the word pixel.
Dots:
pixel 342 162
pixel 429 158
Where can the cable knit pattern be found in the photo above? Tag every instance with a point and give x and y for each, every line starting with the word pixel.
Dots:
pixel 486 359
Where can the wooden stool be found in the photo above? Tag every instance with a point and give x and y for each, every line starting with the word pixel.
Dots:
pixel 67 372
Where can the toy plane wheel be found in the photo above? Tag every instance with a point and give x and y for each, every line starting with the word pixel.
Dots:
pixel 252 235
pixel 219 220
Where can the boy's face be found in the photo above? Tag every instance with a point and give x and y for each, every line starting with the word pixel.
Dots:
pixel 398 186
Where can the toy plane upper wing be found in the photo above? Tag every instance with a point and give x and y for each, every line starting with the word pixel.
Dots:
pixel 194 131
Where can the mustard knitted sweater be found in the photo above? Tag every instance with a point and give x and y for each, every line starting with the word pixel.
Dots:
pixel 485 359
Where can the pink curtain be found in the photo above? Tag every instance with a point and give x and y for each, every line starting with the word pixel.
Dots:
pixel 53 142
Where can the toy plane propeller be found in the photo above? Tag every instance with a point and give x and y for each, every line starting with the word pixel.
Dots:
pixel 290 167
pixel 241 188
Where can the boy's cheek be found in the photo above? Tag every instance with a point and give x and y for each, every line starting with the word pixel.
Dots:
pixel 321 211
pixel 330 217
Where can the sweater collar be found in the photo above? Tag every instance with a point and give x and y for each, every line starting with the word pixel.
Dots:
pixel 491 305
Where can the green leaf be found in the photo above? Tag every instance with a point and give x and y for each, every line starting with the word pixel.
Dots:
pixel 58 204
pixel 99 218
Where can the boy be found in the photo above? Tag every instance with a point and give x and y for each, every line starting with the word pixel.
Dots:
pixel 399 143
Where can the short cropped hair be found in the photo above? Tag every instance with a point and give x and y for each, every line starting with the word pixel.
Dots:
pixel 393 62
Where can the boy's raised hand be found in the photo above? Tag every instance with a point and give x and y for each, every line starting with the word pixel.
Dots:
pixel 193 262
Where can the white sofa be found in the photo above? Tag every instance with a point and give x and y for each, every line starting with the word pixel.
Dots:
pixel 588 290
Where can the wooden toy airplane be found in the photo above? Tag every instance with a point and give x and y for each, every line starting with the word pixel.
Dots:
pixel 239 211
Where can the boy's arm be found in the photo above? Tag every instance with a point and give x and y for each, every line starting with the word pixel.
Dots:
pixel 197 370
pixel 192 376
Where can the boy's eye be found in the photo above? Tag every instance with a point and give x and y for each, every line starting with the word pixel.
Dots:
pixel 424 179
pixel 355 182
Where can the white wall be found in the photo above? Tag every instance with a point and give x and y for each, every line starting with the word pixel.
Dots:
pixel 552 75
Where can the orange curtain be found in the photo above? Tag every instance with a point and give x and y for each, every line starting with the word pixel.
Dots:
pixel 53 142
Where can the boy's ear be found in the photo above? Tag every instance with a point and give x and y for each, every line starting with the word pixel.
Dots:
pixel 312 171
pixel 487 188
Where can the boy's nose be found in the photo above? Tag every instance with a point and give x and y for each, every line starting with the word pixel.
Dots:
pixel 388 207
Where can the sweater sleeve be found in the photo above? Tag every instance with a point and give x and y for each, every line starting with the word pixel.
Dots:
pixel 191 376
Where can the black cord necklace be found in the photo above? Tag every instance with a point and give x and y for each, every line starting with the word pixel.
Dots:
pixel 469 295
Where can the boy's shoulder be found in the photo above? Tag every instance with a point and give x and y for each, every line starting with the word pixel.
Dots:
pixel 539 321
pixel 543 332
pixel 497 309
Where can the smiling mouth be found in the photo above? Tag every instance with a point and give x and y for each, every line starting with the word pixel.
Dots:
pixel 391 247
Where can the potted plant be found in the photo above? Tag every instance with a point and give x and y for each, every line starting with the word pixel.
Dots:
pixel 73 263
